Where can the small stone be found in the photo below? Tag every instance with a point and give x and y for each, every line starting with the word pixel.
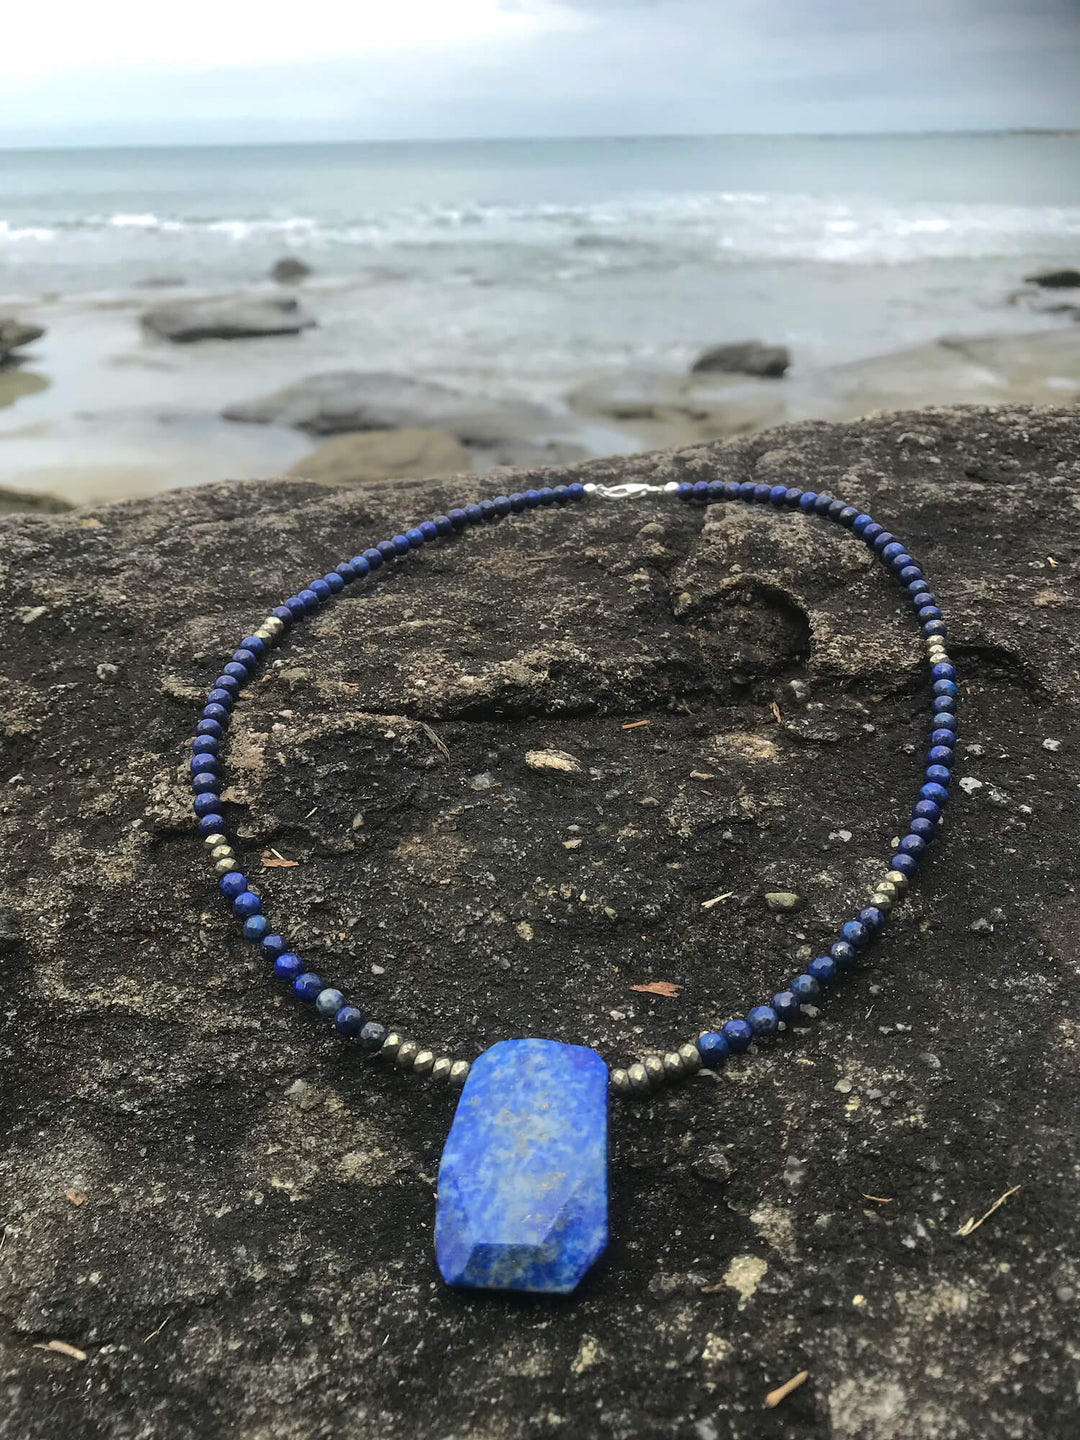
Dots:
pixel 1052 745
pixel 929 1058
pixel 969 784
pixel 106 671
pixel 553 760
pixel 783 902
pixel 843 1087
pixel 29 613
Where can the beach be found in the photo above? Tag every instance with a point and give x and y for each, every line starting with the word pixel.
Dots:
pixel 557 291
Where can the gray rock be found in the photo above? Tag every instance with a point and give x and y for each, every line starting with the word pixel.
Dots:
pixel 176 1209
pixel 381 455
pixel 1065 279
pixel 345 400
pixel 15 333
pixel 237 317
pixel 289 270
pixel 749 357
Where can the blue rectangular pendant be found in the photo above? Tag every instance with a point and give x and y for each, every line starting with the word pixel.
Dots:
pixel 523 1178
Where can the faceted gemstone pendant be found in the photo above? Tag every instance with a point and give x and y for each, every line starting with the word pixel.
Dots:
pixel 523 1177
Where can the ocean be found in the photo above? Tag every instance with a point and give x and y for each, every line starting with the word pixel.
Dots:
pixel 512 267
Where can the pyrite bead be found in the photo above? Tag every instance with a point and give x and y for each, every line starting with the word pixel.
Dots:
pixel 674 1068
pixel 213 841
pixel 441 1069
pixel 639 1079
pixel 882 901
pixel 459 1073
pixel 424 1062
pixel 223 867
pixel 620 1082
pixel 407 1052
pixel 691 1057
pixel 900 880
pixel 391 1045
pixel 654 1069
pixel 222 852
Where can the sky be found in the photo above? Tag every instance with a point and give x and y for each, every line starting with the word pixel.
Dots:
pixel 249 71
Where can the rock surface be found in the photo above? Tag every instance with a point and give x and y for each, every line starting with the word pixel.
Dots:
pixel 14 334
pixel 226 1214
pixel 383 455
pixel 1067 279
pixel 241 317
pixel 344 400
pixel 749 357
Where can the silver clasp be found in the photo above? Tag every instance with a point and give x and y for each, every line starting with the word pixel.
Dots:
pixel 629 489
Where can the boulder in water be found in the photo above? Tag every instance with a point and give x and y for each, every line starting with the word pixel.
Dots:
pixel 230 317
pixel 289 270
pixel 1065 279
pixel 383 455
pixel 15 333
pixel 748 357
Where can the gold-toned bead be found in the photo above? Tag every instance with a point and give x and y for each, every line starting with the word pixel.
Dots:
pixel 406 1053
pixel 213 841
pixel 882 901
pixel 222 852
pixel 639 1079
pixel 886 887
pixel 459 1073
pixel 691 1057
pixel 224 866
pixel 266 636
pixel 674 1068
pixel 441 1069
pixel 391 1045
pixel 620 1082
pixel 424 1062
pixel 900 880
pixel 274 624
pixel 654 1069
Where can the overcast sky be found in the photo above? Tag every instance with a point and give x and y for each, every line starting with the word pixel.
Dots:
pixel 130 71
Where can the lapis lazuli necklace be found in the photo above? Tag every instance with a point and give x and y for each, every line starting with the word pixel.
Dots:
pixel 522 1189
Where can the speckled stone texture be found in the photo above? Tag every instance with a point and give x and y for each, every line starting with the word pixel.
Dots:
pixel 522 1201
pixel 228 1211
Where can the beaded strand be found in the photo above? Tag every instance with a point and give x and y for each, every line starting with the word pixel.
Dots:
pixel 712 1047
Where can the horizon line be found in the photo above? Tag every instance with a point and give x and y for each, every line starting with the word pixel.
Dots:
pixel 931 133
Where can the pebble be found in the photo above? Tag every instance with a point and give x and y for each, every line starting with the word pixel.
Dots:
pixel 105 671
pixel 844 1087
pixel 553 760
pixel 1051 744
pixel 783 901
pixel 969 784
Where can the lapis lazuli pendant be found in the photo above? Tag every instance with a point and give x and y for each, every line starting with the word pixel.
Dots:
pixel 523 1177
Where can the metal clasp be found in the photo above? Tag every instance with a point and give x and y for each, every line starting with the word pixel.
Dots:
pixel 628 490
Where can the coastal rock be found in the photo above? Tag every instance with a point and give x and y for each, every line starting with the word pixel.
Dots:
pixel 228 1211
pixel 679 409
pixel 238 317
pixel 15 333
pixel 381 455
pixel 34 502
pixel 289 270
pixel 344 400
pixel 1066 279
pixel 748 357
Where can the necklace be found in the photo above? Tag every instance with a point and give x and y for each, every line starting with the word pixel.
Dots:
pixel 522 1190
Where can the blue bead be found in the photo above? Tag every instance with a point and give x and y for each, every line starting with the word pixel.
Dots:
pixel 732 490
pixel 807 500
pixel 778 494
pixel 229 683
pixel 906 864
pixel 203 782
pixel 945 721
pixel 926 810
pixel 386 549
pixel 822 504
pixel 835 510
pixel 288 966
pixel 199 763
pixel 941 773
pixel 401 545
pixel 701 490
pixel 307 987
pixel 374 557
pixel 522 1188
pixel 428 530
pixel 547 495
pixel 855 933
pixel 284 614
pixel 880 541
pixel 928 612
pixel 576 490
pixel 763 1020
pixel 804 988
pixel 321 589
pixel 785 1003
pixel 746 490
pixel 823 969
pixel 220 697
pixel 909 574
pixel 941 755
pixel 272 946
pixel 861 522
pixel 348 1020
pixel 872 531
pixel 943 736
pixel 738 1035
pixel 945 687
pixel 935 627
pixel 212 824
pixel 459 519
pixel 246 903
pixel 872 918
pixel 844 953
pixel 943 671
pixel 517 502
pixel 489 514
pixel 244 657
pixel 945 704
pixel 415 537
pixel 716 490
pixel 900 562
pixel 207 805
pixel 255 927
pixel 252 643
pixel 923 828
pixel 847 516
pixel 232 884
pixel 346 572
pixel 334 582
pixel 935 792
pixel 684 490
pixel 762 494
pixel 361 566
pixel 913 845
pixel 309 599
pixel 328 1002
pixel 205 745
pixel 562 494
pixel 295 607
pixel 502 502
pixel 712 1048
pixel 473 513
pixel 371 1036
pixel 213 711
pixel 209 727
